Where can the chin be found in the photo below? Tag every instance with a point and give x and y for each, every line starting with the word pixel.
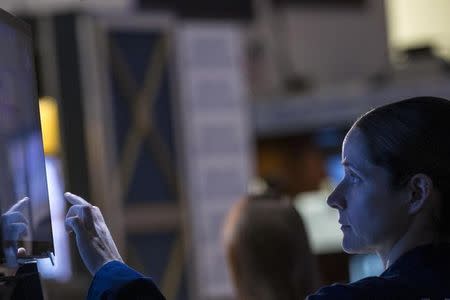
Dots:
pixel 352 246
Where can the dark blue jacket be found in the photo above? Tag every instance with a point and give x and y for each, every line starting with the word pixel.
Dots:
pixel 117 281
pixel 422 273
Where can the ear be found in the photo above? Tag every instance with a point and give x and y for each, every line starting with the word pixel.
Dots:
pixel 420 188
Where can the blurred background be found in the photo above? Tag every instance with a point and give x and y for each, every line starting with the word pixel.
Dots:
pixel 164 113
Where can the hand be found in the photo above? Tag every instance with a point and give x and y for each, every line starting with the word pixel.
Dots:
pixel 15 226
pixel 94 241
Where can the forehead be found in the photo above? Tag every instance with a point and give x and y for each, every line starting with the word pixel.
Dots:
pixel 355 150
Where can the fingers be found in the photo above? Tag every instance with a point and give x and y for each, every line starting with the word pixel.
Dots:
pixel 75 200
pixel 84 214
pixel 14 217
pixel 20 205
pixel 15 225
pixel 98 214
pixel 75 224
pixel 15 231
pixel 80 216
pixel 74 211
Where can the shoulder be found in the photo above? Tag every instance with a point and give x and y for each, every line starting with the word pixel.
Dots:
pixel 367 288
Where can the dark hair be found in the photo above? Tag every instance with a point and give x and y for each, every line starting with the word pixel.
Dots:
pixel 410 137
pixel 268 251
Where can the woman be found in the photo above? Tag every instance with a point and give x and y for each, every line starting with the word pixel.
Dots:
pixel 394 200
pixel 267 250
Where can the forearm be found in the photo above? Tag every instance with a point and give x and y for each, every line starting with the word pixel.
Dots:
pixel 116 280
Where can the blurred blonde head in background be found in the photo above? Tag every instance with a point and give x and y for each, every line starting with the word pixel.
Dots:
pixel 268 251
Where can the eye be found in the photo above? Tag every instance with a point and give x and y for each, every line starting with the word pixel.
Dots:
pixel 353 177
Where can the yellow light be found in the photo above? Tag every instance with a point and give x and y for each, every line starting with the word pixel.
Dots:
pixel 50 125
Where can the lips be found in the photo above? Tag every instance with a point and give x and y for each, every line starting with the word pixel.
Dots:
pixel 343 223
pixel 345 227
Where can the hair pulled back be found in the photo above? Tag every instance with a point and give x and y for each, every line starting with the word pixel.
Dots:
pixel 410 137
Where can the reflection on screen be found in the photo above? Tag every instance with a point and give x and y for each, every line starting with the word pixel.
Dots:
pixel 22 165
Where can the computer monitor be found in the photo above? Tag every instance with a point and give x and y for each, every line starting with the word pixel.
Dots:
pixel 22 163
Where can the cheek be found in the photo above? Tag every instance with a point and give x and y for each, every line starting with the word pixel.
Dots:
pixel 375 214
pixel 366 211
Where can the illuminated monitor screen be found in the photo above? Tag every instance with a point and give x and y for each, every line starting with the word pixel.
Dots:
pixel 26 223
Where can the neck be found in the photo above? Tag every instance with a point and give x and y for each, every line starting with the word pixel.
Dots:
pixel 407 242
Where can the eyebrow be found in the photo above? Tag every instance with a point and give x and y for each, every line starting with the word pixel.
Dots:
pixel 346 163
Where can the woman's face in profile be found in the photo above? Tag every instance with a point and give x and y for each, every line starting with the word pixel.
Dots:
pixel 372 214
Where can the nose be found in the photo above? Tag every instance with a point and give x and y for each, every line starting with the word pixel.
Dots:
pixel 336 199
